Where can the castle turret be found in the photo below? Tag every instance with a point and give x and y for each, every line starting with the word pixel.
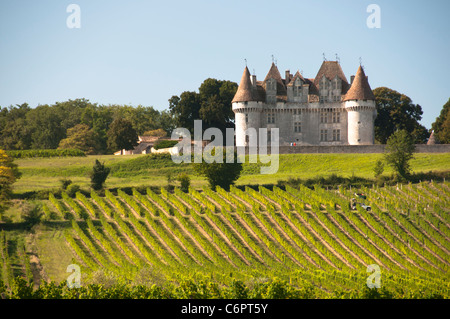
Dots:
pixel 359 103
pixel 247 107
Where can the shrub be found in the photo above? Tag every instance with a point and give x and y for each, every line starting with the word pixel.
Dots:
pixel 219 174
pixel 46 153
pixel 378 169
pixel 164 144
pixel 399 151
pixel 185 182
pixel 72 189
pixel 98 175
pixel 65 183
pixel 32 215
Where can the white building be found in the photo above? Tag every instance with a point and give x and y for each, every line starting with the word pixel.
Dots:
pixel 326 110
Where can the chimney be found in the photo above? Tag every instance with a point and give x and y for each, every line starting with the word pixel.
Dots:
pixel 287 77
pixel 351 79
pixel 253 78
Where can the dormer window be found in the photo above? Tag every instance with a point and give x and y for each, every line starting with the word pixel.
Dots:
pixel 271 91
pixel 336 83
pixel 298 88
pixel 271 85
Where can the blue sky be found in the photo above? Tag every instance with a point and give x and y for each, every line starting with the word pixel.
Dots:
pixel 142 52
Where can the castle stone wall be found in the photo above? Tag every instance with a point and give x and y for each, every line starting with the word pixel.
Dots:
pixel 349 149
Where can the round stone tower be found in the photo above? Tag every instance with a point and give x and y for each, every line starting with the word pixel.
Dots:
pixel 360 105
pixel 247 108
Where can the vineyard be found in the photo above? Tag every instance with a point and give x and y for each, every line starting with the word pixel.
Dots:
pixel 303 237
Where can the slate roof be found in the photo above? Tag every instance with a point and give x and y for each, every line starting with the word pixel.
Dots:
pixel 360 88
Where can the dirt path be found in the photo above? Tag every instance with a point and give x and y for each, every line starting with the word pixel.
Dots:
pixel 264 230
pixel 279 230
pixel 168 231
pixel 183 229
pixel 430 211
pixel 387 242
pixel 312 231
pixel 247 227
pixel 151 232
pixel 419 242
pixel 219 231
pixel 406 244
pixel 425 233
pixel 336 238
pixel 37 270
pixel 354 241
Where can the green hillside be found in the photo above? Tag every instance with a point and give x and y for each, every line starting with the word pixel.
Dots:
pixel 147 170
pixel 293 242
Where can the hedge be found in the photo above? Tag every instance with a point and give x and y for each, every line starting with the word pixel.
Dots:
pixel 46 153
pixel 165 144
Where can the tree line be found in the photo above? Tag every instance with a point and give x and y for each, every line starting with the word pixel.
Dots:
pixel 75 123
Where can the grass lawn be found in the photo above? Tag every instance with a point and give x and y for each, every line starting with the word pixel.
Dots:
pixel 54 254
pixel 141 170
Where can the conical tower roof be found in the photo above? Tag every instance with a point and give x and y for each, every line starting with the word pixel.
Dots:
pixel 360 89
pixel 244 91
pixel 432 140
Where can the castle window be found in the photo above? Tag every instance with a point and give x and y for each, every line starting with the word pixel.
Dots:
pixel 336 117
pixel 297 127
pixel 323 135
pixel 298 91
pixel 322 98
pixel 246 117
pixel 323 117
pixel 336 135
pixel 269 136
pixel 336 83
pixel 298 88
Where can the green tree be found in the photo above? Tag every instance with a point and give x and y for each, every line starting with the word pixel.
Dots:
pixel 212 105
pixel 157 133
pixel 99 118
pixel 9 173
pixel 185 182
pixel 80 137
pixel 14 131
pixel 399 151
pixel 121 135
pixel 441 126
pixel 378 169
pixel 98 175
pixel 185 109
pixel 397 112
pixel 46 127
pixel 216 97
pixel 219 174
pixel 32 215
